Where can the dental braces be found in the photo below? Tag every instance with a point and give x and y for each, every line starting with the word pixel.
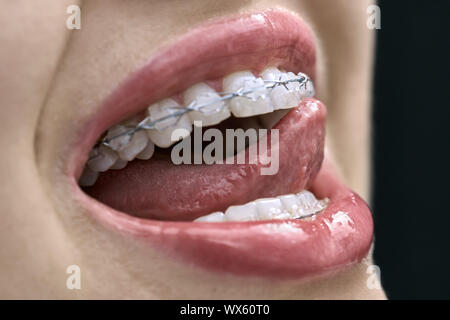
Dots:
pixel 261 92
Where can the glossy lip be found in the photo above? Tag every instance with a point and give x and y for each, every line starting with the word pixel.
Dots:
pixel 338 236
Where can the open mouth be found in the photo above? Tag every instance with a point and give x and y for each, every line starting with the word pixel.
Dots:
pixel 298 221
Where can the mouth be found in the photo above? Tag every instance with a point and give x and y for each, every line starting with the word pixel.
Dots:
pixel 297 222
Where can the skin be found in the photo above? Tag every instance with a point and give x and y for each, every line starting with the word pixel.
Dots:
pixel 51 71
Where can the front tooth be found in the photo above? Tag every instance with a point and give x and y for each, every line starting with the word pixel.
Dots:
pixel 246 212
pixel 213 217
pixel 162 136
pixel 270 208
pixel 88 177
pixel 137 143
pixel 281 97
pixel 102 159
pixel 244 107
pixel 148 151
pixel 203 94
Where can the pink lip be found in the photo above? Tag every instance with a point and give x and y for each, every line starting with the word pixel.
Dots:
pixel 337 237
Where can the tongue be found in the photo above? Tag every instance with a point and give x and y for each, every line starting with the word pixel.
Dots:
pixel 158 189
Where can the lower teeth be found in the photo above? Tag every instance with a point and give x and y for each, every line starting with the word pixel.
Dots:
pixel 292 206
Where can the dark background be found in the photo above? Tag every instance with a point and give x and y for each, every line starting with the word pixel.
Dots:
pixel 411 141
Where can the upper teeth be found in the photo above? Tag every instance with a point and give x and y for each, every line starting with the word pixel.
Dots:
pixel 162 136
pixel 244 107
pixel 291 206
pixel 214 113
pixel 141 144
pixel 282 97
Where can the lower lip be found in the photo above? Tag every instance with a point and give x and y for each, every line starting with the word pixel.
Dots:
pixel 339 236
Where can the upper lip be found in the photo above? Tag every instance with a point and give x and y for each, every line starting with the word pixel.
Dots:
pixel 251 41
pixel 339 236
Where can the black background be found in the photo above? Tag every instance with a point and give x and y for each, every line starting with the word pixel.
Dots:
pixel 411 141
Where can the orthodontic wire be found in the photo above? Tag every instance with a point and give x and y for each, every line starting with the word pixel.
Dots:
pixel 148 124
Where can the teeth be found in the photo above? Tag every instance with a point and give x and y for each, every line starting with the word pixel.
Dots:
pixel 210 115
pixel 307 90
pixel 161 109
pixel 119 142
pixel 119 164
pixel 281 97
pixel 137 143
pixel 162 136
pixel 246 212
pixel 148 151
pixel 290 202
pixel 307 204
pixel 269 208
pixel 290 206
pixel 244 107
pixel 212 217
pixel 131 122
pixel 121 149
pixel 102 160
pixel 88 177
